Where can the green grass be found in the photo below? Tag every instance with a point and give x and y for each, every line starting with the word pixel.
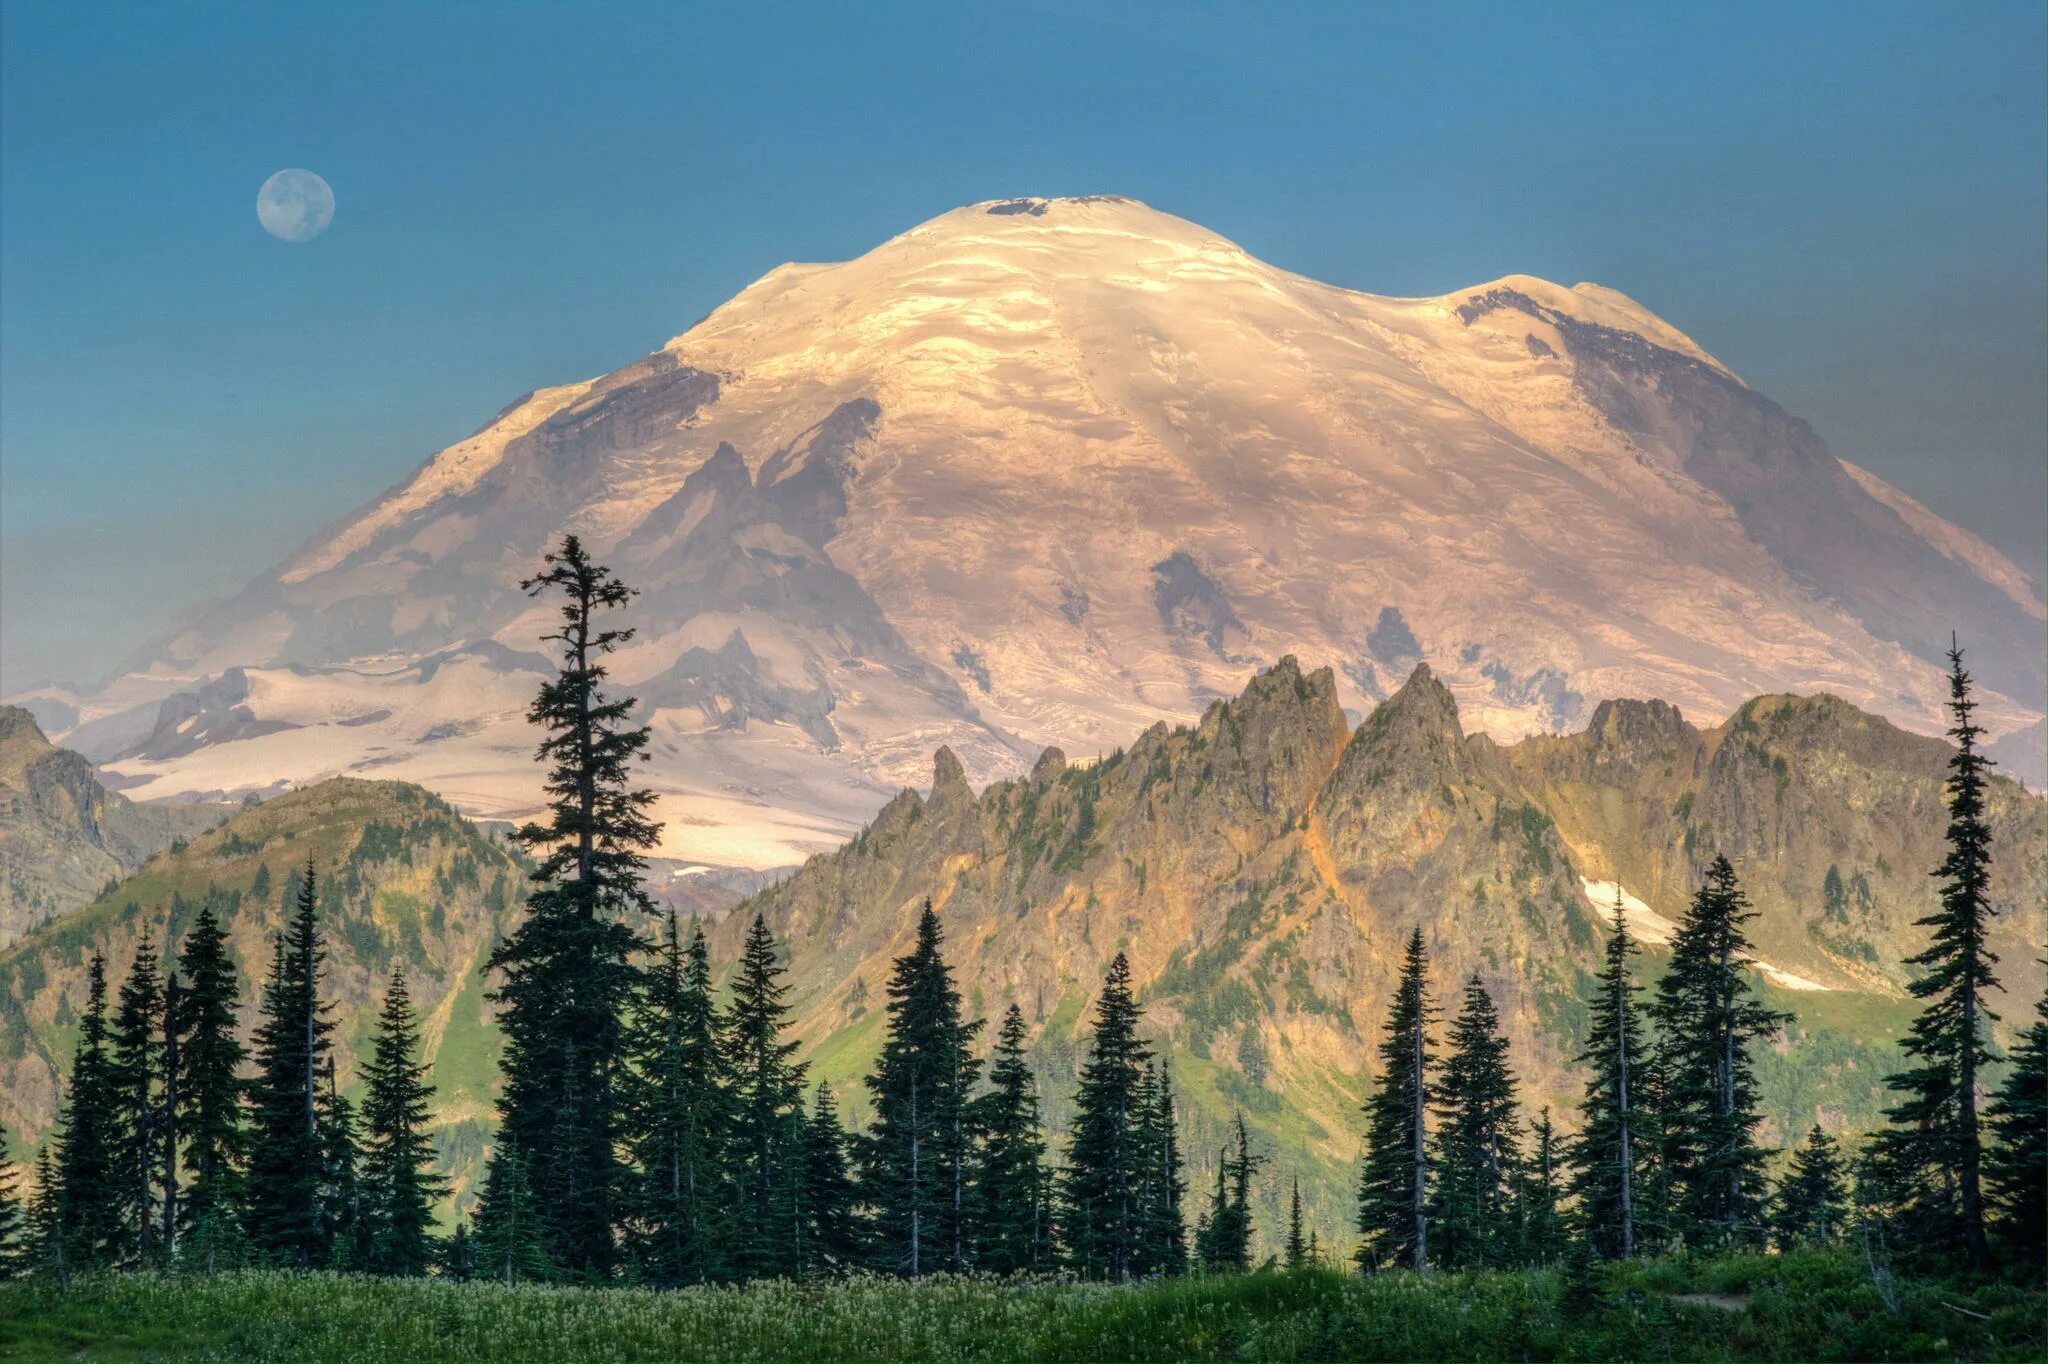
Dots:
pixel 1807 1306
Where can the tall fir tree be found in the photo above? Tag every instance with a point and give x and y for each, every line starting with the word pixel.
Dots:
pixel 1100 1209
pixel 42 1221
pixel 1011 1182
pixel 1932 1152
pixel 2016 1167
pixel 917 1158
pixel 1708 1019
pixel 764 1154
pixel 209 1100
pixel 1604 1155
pixel 1472 1206
pixel 1540 1218
pixel 1223 1242
pixel 347 1229
pixel 135 1076
pixel 567 974
pixel 1162 1177
pixel 676 1119
pixel 92 1193
pixel 511 1240
pixel 10 1212
pixel 1296 1254
pixel 168 1078
pixel 398 1175
pixel 831 1238
pixel 1812 1205
pixel 288 1166
pixel 1393 1188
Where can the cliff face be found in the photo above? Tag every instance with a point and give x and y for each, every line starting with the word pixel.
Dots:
pixel 64 836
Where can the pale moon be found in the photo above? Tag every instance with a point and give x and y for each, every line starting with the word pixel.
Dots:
pixel 295 205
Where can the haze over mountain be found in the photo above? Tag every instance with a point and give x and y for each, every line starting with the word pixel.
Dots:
pixel 1048 471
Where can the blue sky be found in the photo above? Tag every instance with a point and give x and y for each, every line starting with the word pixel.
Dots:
pixel 1845 203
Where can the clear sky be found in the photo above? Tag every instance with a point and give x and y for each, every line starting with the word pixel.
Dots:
pixel 1845 203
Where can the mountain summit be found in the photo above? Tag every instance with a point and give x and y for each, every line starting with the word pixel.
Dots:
pixel 1048 471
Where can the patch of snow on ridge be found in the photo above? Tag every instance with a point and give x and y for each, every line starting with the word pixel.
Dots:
pixel 1647 925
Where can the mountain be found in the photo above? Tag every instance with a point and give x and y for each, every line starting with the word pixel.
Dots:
pixel 1262 869
pixel 64 836
pixel 1042 472
pixel 403 880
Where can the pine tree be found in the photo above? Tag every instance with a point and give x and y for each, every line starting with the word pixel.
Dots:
pixel 1708 1019
pixel 567 973
pixel 42 1239
pixel 676 1119
pixel 766 1091
pixel 398 1155
pixel 2016 1167
pixel 209 1098
pixel 1162 1235
pixel 287 1165
pixel 1223 1243
pixel 1604 1157
pixel 1933 1150
pixel 93 1195
pixel 10 1213
pixel 346 1227
pixel 1011 1182
pixel 1812 1207
pixel 1393 1189
pixel 168 1075
pixel 1542 1225
pixel 915 1161
pixel 830 1237
pixel 511 1244
pixel 457 1257
pixel 1472 1206
pixel 134 1077
pixel 1099 1185
pixel 1296 1257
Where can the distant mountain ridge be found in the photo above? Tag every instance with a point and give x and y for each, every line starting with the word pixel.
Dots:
pixel 1046 471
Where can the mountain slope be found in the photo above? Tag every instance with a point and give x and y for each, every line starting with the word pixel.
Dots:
pixel 64 836
pixel 1046 471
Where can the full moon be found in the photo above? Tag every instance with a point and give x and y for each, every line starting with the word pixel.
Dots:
pixel 295 205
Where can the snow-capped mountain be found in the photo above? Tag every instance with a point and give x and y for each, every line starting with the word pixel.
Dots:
pixel 1046 471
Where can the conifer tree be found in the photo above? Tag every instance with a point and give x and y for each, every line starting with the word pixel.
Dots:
pixel 209 1099
pixel 567 973
pixel 282 1194
pixel 1812 1206
pixel 92 1196
pixel 830 1237
pixel 2016 1166
pixel 1101 1214
pixel 511 1245
pixel 42 1238
pixel 1297 1245
pixel 458 1255
pixel 1604 1156
pixel 1932 1152
pixel 346 1227
pixel 766 1090
pixel 1223 1243
pixel 1163 1240
pixel 398 1154
pixel 1472 1207
pixel 1393 1189
pixel 917 1157
pixel 168 1075
pixel 1542 1224
pixel 1011 1183
pixel 134 1076
pixel 676 1120
pixel 10 1212
pixel 1708 1018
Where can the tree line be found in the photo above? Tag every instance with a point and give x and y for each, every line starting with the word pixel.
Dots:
pixel 653 1133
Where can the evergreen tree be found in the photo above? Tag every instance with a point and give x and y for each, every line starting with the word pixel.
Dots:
pixel 766 1091
pixel 1297 1245
pixel 1812 1206
pixel 1011 1183
pixel 567 973
pixel 511 1243
pixel 282 1195
pixel 917 1157
pixel 42 1239
pixel 1393 1189
pixel 168 1075
pixel 134 1077
pixel 92 1196
pixel 458 1255
pixel 10 1213
pixel 1542 1225
pixel 1932 1152
pixel 1604 1157
pixel 830 1236
pixel 1708 1018
pixel 1223 1243
pixel 1473 1206
pixel 1099 1185
pixel 676 1119
pixel 1162 1236
pixel 398 1154
pixel 347 1227
pixel 2016 1167
pixel 209 1098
